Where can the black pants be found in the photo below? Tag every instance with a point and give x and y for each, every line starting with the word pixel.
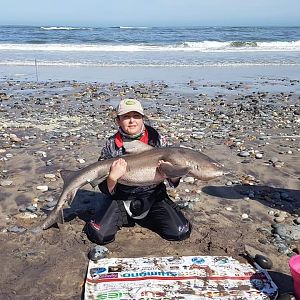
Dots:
pixel 164 218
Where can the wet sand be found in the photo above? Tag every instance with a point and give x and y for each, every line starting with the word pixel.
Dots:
pixel 249 125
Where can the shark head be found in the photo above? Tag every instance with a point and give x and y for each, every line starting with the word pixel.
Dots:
pixel 201 166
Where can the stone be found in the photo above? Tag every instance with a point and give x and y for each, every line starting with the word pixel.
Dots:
pixel 31 208
pixel 274 160
pixel 6 182
pixel 42 188
pixel 258 155
pixel 26 215
pixel 13 137
pixel 50 176
pixel 16 229
pixel 98 252
pixel 245 216
pixel 51 203
pixel 189 179
pixel 244 154
pixel 287 231
pixel 279 219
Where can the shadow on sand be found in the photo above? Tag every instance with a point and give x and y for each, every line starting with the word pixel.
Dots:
pixel 85 204
pixel 283 199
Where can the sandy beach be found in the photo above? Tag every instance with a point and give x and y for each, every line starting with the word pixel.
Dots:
pixel 247 119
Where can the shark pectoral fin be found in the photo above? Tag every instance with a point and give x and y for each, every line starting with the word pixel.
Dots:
pixel 60 217
pixel 71 196
pixel 172 171
pixel 97 181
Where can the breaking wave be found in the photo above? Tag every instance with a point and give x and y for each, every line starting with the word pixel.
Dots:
pixel 63 28
pixel 205 46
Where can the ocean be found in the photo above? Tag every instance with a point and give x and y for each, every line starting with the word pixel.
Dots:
pixel 173 54
pixel 149 46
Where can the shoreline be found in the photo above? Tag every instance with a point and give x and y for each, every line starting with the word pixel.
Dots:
pixel 170 74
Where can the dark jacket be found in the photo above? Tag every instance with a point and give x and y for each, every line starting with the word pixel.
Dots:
pixel 147 194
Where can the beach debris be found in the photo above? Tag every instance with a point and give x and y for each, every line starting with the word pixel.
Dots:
pixel 263 261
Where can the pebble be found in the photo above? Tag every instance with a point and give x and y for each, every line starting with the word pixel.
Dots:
pixel 228 183
pixel 245 216
pixel 13 137
pixel 81 160
pixel 258 155
pixel 51 203
pixel 279 219
pixel 42 188
pixel 287 231
pixel 31 208
pixel 274 160
pixel 244 154
pixel 16 229
pixel 41 153
pixel 189 179
pixel 98 252
pixel 50 176
pixel 279 164
pixel 6 182
pixel 26 215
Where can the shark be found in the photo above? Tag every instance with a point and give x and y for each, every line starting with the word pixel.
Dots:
pixel 142 169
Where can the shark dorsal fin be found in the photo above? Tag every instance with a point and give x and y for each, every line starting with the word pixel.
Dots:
pixel 67 175
pixel 136 146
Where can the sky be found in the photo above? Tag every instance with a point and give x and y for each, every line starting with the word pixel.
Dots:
pixel 150 12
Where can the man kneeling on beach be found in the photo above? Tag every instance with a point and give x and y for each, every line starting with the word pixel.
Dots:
pixel 148 206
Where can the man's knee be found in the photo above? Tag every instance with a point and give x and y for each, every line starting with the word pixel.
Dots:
pixel 180 233
pixel 96 234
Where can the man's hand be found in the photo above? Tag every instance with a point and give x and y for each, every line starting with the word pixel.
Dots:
pixel 117 169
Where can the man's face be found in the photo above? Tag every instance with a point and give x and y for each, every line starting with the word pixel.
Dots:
pixel 132 122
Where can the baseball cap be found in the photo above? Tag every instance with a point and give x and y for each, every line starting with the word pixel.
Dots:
pixel 128 105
